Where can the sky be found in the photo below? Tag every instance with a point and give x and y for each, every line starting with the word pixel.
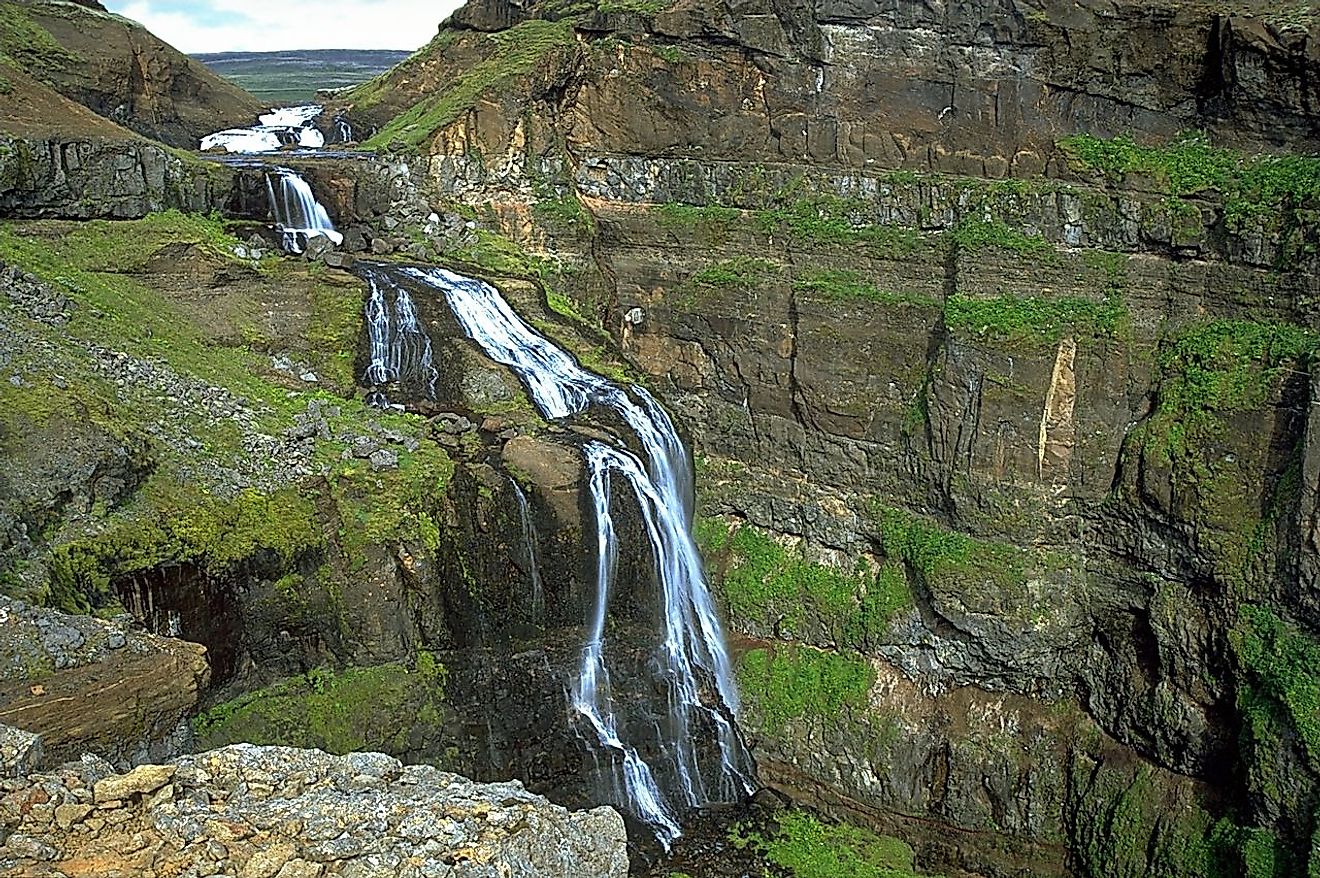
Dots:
pixel 269 25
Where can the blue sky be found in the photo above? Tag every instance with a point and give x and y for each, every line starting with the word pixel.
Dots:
pixel 268 25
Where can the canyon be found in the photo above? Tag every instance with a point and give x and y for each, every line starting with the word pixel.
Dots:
pixel 990 327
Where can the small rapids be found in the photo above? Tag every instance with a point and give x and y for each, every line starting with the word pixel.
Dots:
pixel 281 127
pixel 690 661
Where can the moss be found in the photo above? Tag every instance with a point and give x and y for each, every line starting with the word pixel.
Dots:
pixel 1253 187
pixel 712 222
pixel 514 53
pixel 638 7
pixel 1034 320
pixel 332 333
pixel 849 286
pixel 566 215
pixel 978 236
pixel 764 581
pixel 746 273
pixel 1218 368
pixel 805 847
pixel 1280 663
pixel 358 709
pixel 831 220
pixel 173 521
pixel 803 683
pixel 936 553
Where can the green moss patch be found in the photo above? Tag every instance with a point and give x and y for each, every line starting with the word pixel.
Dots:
pixel 806 847
pixel 841 285
pixel 358 709
pixel 800 682
pixel 1035 320
pixel 829 220
pixel 765 582
pixel 30 46
pixel 980 235
pixel 1253 186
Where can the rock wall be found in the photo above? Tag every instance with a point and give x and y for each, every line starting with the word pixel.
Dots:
pixel 1001 422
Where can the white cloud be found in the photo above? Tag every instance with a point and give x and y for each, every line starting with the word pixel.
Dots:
pixel 270 25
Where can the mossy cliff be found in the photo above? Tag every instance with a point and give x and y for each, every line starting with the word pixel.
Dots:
pixel 1001 403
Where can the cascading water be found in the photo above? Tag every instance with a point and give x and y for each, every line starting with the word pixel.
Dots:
pixel 281 127
pixel 533 544
pixel 344 129
pixel 298 215
pixel 693 664
pixel 400 348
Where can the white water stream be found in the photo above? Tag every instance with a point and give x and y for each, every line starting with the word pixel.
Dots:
pixel 691 659
pixel 298 215
pixel 281 127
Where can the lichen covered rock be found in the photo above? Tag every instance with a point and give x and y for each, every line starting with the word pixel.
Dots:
pixel 277 811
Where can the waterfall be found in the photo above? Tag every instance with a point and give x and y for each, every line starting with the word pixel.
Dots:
pixel 282 126
pixel 400 348
pixel 298 215
pixel 344 128
pixel 691 657
pixel 533 544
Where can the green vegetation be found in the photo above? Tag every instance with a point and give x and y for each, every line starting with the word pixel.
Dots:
pixel 1253 187
pixel 763 580
pixel 979 235
pixel 1219 368
pixel 1034 320
pixel 332 333
pixel 849 286
pixel 934 552
pixel 372 709
pixel 829 220
pixel 801 682
pixel 30 47
pixel 806 847
pixel 638 7
pixel 742 272
pixel 565 216
pixel 515 53
pixel 1280 662
pixel 173 521
pixel 712 222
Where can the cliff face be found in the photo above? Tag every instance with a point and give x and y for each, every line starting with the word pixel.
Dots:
pixel 116 69
pixel 1001 414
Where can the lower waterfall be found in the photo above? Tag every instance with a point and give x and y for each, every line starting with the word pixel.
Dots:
pixel 690 661
pixel 298 215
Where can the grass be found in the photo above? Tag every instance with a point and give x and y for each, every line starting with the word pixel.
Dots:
pixel 1253 187
pixel 30 47
pixel 805 847
pixel 1039 320
pixel 1280 662
pixel 285 78
pixel 174 516
pixel 935 553
pixel 514 53
pixel 565 216
pixel 636 7
pixel 1219 368
pixel 746 273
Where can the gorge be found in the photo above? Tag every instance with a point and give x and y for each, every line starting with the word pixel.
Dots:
pixel 990 327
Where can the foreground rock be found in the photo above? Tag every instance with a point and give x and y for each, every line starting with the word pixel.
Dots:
pixel 277 811
pixel 85 684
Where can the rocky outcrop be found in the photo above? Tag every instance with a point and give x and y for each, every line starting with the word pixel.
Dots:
pixel 100 178
pixel 90 686
pixel 298 814
pixel 119 70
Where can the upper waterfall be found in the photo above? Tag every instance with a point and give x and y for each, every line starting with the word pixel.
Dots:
pixel 690 660
pixel 281 127
pixel 298 215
